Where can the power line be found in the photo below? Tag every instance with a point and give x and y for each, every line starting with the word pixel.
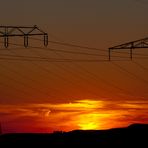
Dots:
pixel 47 70
pixel 12 87
pixel 16 81
pixel 71 45
pixel 141 66
pixel 59 50
pixel 63 60
pixel 110 83
pixel 91 48
pixel 71 82
pixel 130 73
pixel 54 60
pixel 91 73
pixel 46 59
pixel 19 75
pixel 72 52
pixel 18 57
pixel 35 65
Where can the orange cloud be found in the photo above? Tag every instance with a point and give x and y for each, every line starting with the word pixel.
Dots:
pixel 82 114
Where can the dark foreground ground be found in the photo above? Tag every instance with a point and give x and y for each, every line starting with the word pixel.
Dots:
pixel 134 135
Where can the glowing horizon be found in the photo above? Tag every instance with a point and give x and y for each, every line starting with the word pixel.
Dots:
pixel 80 114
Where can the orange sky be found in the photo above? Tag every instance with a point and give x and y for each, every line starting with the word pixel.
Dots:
pixel 47 96
pixel 82 114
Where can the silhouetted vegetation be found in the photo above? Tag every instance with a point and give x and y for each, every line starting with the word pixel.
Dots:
pixel 136 134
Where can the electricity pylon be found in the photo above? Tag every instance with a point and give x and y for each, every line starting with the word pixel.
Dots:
pixel 11 31
pixel 142 43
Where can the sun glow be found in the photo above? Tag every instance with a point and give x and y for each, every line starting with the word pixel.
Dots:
pixel 91 120
pixel 88 122
pixel 88 126
pixel 79 114
pixel 88 118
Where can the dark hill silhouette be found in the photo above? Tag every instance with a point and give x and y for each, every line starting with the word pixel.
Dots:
pixel 133 135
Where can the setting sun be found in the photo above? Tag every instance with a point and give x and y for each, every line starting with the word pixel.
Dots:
pixel 88 126
pixel 88 122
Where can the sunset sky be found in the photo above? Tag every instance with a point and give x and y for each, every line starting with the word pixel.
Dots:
pixel 45 96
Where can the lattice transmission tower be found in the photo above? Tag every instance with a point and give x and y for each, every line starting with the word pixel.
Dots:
pixel 142 43
pixel 22 31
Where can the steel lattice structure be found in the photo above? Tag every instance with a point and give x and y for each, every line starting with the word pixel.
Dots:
pixel 142 43
pixel 11 31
